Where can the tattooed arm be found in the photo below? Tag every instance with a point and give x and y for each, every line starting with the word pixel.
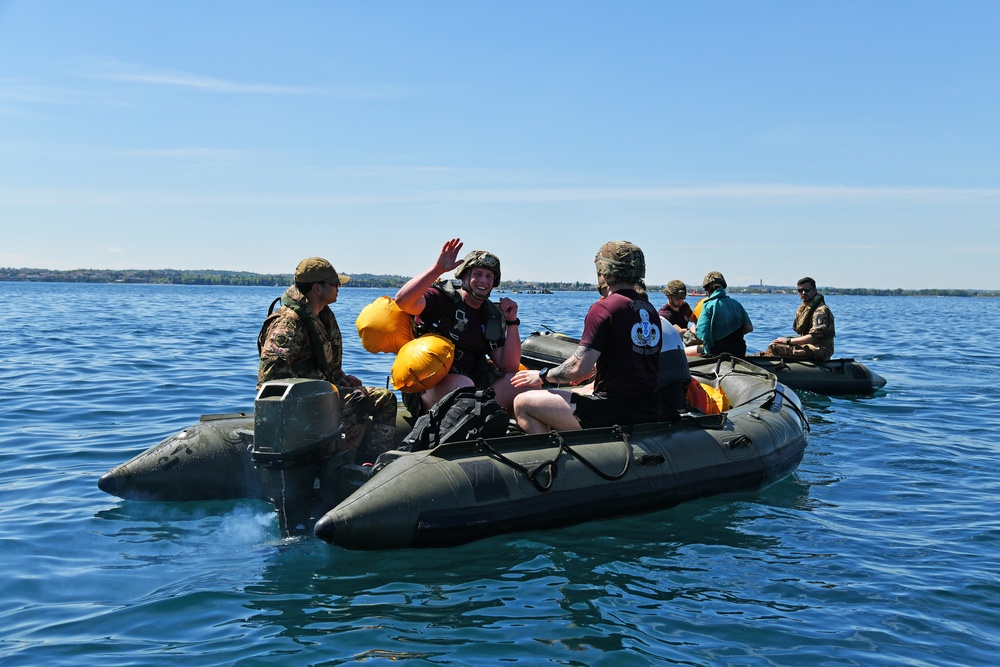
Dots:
pixel 578 368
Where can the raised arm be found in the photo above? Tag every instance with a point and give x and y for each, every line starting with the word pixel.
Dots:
pixel 410 297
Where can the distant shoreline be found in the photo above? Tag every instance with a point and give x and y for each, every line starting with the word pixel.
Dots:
pixel 246 278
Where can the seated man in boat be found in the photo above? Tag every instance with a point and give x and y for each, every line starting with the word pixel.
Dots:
pixel 813 324
pixel 302 340
pixel 676 310
pixel 620 347
pixel 480 328
pixel 679 315
pixel 723 322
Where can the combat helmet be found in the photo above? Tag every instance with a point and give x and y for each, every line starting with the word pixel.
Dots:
pixel 623 260
pixel 487 260
pixel 712 280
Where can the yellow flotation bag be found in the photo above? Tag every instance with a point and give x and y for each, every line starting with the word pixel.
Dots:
pixel 422 363
pixel 706 399
pixel 383 327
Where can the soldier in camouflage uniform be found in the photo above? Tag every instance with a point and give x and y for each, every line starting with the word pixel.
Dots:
pixel 302 340
pixel 814 326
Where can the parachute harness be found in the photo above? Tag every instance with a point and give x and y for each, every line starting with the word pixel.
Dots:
pixel 549 468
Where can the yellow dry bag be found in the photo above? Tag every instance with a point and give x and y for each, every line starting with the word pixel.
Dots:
pixel 383 327
pixel 422 363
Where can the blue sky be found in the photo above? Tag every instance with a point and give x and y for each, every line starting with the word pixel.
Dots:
pixel 856 142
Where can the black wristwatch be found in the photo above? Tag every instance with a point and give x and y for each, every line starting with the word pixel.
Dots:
pixel 514 322
pixel 543 375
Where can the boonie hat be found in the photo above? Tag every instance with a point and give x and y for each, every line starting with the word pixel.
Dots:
pixel 318 270
pixel 676 288
pixel 713 278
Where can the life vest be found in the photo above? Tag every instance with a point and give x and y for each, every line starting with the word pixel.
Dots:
pixel 448 323
pixel 422 363
pixel 452 323
pixel 315 341
pixel 383 327
pixel 706 399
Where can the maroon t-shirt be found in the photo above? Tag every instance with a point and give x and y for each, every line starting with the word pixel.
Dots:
pixel 625 328
pixel 471 341
pixel 680 317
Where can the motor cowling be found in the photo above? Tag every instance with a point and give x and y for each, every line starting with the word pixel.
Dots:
pixel 297 428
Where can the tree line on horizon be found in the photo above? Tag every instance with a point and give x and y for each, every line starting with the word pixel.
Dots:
pixel 247 278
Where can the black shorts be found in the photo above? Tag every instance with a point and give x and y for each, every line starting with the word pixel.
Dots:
pixel 594 410
pixel 734 344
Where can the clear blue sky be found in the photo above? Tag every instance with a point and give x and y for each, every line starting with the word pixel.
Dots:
pixel 857 142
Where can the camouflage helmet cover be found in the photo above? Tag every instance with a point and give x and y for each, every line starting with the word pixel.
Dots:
pixel 676 288
pixel 622 259
pixel 487 260
pixel 713 279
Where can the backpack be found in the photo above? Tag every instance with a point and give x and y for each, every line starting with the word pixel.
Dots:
pixel 465 414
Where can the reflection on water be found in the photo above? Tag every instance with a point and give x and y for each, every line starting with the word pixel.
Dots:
pixel 881 548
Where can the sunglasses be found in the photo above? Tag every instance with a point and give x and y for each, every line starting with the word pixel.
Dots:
pixel 805 290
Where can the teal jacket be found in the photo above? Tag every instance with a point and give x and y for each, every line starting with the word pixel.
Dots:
pixel 720 316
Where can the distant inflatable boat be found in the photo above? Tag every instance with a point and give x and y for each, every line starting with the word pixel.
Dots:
pixel 836 376
pixel 286 453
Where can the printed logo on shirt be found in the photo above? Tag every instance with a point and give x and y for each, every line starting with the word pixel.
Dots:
pixel 644 333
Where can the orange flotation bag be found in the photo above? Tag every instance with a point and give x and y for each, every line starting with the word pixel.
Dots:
pixel 383 327
pixel 706 399
pixel 422 363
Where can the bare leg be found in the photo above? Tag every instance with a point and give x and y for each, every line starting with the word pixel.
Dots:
pixel 506 392
pixel 448 384
pixel 542 410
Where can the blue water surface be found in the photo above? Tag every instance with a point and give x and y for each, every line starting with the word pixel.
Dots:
pixel 882 549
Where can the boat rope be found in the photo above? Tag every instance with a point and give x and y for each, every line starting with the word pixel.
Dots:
pixel 550 468
pixel 795 409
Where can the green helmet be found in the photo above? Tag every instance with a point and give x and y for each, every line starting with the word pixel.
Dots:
pixel 712 280
pixel 621 259
pixel 481 258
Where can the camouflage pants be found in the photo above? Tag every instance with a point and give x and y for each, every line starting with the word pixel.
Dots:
pixel 368 417
pixel 808 352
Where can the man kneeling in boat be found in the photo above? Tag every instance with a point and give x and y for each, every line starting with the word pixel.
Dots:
pixel 813 324
pixel 620 347
pixel 302 340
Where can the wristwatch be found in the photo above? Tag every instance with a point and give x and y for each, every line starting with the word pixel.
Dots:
pixel 543 375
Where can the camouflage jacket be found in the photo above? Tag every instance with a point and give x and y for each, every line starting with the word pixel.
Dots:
pixel 287 350
pixel 815 318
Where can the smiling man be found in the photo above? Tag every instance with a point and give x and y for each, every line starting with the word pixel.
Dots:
pixel 479 328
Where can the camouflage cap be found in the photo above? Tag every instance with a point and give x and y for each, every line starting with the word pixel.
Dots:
pixel 622 259
pixel 713 279
pixel 676 288
pixel 487 260
pixel 318 270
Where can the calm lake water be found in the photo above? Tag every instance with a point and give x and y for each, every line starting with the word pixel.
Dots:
pixel 882 549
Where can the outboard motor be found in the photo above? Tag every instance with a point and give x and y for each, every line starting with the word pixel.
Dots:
pixel 296 431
